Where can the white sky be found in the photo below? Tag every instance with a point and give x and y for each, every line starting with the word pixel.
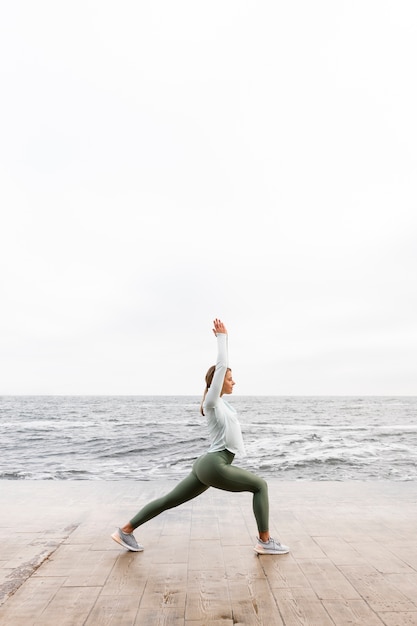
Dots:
pixel 164 163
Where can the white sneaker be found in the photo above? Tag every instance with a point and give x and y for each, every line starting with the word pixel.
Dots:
pixel 270 547
pixel 126 540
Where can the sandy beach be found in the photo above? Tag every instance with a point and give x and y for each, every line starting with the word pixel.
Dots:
pixel 353 556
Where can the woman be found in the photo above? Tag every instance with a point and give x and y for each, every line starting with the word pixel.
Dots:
pixel 214 469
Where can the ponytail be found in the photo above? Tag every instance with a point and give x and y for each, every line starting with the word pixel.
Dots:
pixel 202 401
pixel 209 379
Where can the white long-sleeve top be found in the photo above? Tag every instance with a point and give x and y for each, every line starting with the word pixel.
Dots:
pixel 223 424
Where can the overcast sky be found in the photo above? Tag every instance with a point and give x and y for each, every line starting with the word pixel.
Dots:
pixel 164 163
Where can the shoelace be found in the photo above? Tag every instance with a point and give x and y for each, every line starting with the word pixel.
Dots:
pixel 277 543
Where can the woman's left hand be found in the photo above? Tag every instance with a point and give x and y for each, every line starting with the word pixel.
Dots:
pixel 219 327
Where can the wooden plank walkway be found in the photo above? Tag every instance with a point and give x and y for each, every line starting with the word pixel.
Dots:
pixel 353 556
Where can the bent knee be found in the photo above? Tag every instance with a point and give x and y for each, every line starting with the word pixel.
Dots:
pixel 263 485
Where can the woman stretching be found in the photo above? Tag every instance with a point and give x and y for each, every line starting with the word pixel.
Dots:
pixel 214 469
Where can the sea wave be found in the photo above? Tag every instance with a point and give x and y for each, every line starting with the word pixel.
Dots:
pixel 144 438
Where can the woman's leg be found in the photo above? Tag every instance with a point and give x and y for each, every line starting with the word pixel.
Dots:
pixel 215 469
pixel 187 489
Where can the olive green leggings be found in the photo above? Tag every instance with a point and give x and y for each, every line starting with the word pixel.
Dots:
pixel 213 469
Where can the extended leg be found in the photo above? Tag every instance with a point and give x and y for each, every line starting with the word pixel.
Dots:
pixel 187 489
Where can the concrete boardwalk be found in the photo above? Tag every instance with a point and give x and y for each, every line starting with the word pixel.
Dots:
pixel 353 556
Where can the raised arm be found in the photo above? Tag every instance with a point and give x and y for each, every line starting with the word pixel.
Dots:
pixel 222 363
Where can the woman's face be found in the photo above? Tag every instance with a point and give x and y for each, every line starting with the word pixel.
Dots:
pixel 228 383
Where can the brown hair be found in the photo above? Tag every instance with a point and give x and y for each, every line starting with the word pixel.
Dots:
pixel 209 380
pixel 209 376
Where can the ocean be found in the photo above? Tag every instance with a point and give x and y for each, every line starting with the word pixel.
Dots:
pixel 158 437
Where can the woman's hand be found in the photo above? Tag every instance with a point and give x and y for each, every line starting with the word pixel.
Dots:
pixel 219 327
